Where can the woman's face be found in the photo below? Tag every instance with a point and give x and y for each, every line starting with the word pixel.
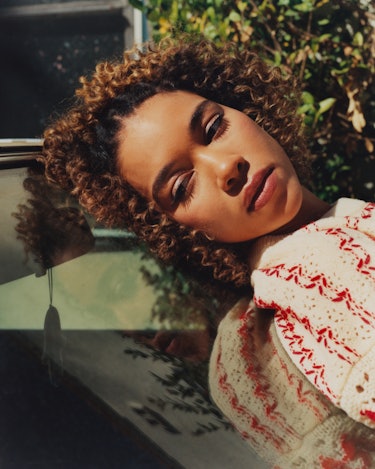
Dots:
pixel 208 166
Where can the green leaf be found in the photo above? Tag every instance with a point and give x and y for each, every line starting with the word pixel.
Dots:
pixel 306 109
pixel 277 58
pixel 324 37
pixel 358 39
pixel 326 104
pixel 304 7
pixel 234 16
pixel 291 13
pixel 242 6
pixel 138 4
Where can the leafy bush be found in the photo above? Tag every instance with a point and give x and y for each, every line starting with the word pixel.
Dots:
pixel 329 45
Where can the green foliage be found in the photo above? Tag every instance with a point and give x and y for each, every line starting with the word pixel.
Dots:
pixel 174 303
pixel 182 302
pixel 329 45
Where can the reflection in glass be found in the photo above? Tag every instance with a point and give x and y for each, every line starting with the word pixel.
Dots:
pixel 52 232
pixel 138 335
pixel 51 229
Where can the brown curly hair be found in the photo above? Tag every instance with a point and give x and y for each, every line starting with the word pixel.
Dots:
pixel 50 228
pixel 80 148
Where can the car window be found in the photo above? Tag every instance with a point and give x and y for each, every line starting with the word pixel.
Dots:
pixel 86 312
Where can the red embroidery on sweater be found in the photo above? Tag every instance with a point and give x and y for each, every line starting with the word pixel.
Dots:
pixel 262 389
pixel 350 454
pixel 305 397
pixel 323 286
pixel 254 373
pixel 305 356
pixel 253 422
pixel 286 318
pixel 367 212
pixel 265 397
pixel 368 413
pixel 347 243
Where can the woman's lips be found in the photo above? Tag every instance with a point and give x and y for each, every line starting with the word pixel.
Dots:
pixel 260 189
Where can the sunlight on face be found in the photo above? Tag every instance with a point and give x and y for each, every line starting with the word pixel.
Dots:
pixel 208 166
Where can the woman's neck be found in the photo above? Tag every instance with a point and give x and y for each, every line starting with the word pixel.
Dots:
pixel 312 208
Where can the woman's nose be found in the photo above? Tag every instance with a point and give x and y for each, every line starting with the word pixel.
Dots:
pixel 231 173
pixel 229 170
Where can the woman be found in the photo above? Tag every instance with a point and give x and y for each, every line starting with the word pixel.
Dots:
pixel 82 148
pixel 200 152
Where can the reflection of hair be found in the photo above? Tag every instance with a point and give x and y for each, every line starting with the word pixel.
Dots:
pixel 50 230
pixel 80 148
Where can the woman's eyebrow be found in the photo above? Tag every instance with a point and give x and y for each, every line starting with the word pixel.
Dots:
pixel 197 115
pixel 164 174
pixel 161 180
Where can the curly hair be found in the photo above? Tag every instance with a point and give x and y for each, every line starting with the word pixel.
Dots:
pixel 50 228
pixel 80 148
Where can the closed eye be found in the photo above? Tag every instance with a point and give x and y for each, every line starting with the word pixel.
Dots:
pixel 215 128
pixel 183 188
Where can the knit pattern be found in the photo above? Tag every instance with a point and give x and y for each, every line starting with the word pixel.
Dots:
pixel 283 383
pixel 320 281
pixel 286 420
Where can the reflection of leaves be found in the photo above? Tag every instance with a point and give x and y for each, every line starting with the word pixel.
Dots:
pixel 136 353
pixel 208 428
pixel 178 302
pixel 51 226
pixel 182 301
pixel 185 397
pixel 154 418
pixel 175 386
pixel 185 391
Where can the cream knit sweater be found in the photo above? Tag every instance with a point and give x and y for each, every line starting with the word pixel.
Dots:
pixel 320 282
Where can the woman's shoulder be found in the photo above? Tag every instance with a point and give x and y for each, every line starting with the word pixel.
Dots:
pixel 345 207
pixel 347 218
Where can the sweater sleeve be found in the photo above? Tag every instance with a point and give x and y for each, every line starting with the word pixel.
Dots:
pixel 321 283
pixel 286 420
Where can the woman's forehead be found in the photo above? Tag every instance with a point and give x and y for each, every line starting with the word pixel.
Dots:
pixel 158 127
pixel 156 117
pixel 162 101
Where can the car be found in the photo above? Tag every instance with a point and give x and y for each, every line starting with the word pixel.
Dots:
pixel 104 350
